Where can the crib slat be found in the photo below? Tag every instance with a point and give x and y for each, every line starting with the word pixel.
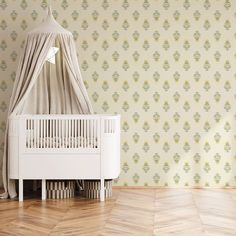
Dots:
pixel 51 127
pixel 44 133
pixel 47 133
pixel 31 130
pixel 79 133
pixel 96 131
pixel 66 133
pixel 69 133
pixel 28 133
pixel 72 134
pixel 51 133
pixel 85 136
pixel 82 133
pixel 36 133
pixel 37 141
pixel 75 139
pixel 34 143
pixel 59 133
pixel 62 133
pixel 34 140
pixel 87 133
pixel 90 131
pixel 42 129
pixel 76 135
pixel 39 132
pixel 87 128
pixel 92 126
pixel 56 133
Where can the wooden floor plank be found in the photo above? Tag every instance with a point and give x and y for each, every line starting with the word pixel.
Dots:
pixel 160 212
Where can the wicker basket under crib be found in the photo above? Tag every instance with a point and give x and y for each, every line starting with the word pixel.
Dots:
pixel 92 188
pixel 60 189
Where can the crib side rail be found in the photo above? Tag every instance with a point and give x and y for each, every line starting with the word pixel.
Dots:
pixel 69 133
pixel 50 133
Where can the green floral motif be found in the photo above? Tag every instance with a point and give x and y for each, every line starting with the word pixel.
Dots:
pixel 156 158
pixel 136 158
pixel 125 167
pixel 217 157
pixel 197 158
pixel 156 178
pixel 146 167
pixel 176 158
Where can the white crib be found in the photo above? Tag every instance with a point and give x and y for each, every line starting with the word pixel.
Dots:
pixel 64 147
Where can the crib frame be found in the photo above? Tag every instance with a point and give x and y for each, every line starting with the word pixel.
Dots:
pixel 51 147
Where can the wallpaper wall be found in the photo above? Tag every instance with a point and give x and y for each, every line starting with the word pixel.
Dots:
pixel 167 66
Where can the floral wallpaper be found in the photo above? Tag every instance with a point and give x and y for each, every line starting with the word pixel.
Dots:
pixel 167 66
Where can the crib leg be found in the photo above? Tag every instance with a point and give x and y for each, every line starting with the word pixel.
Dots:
pixel 20 190
pixel 102 192
pixel 43 189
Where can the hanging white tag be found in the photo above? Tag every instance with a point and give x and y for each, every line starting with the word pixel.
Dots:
pixel 51 54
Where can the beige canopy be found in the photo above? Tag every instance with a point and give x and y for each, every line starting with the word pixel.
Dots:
pixel 41 87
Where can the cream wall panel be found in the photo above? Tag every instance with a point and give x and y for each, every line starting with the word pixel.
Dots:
pixel 167 66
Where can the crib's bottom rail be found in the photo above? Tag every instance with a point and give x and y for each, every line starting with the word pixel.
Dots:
pixel 60 166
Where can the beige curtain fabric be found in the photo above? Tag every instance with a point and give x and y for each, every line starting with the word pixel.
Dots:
pixel 28 70
pixel 42 88
pixel 54 92
pixel 71 63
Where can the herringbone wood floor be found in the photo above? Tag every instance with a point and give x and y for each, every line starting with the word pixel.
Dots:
pixel 161 212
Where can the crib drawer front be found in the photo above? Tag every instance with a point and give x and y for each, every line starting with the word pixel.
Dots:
pixel 60 166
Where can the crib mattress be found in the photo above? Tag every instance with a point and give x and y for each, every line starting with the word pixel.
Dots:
pixel 58 142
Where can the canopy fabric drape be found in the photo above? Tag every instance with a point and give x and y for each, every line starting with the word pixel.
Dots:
pixel 44 88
